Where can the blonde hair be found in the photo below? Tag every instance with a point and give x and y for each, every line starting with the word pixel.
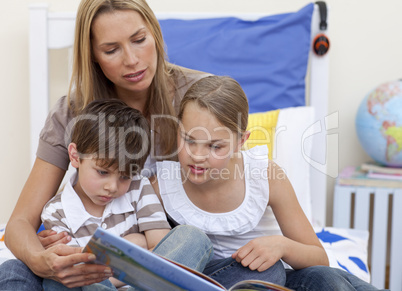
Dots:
pixel 88 82
pixel 223 97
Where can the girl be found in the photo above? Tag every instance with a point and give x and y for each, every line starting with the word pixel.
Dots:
pixel 237 198
pixel 118 53
pixel 240 199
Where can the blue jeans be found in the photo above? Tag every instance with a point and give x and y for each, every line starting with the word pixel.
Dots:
pixel 15 275
pixel 228 272
pixel 183 244
pixel 325 278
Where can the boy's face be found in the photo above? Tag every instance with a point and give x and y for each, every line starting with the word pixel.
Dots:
pixel 98 186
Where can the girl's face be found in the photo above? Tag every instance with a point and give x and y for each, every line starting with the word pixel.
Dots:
pixel 125 50
pixel 205 146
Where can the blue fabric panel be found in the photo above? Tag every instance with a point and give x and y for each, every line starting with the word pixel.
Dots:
pixel 41 228
pixel 268 57
pixel 359 263
pixel 329 237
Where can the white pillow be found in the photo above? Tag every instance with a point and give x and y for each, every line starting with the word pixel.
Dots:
pixel 346 249
pixel 287 153
pixel 287 127
pixel 5 253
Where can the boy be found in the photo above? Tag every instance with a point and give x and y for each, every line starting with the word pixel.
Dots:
pixel 110 142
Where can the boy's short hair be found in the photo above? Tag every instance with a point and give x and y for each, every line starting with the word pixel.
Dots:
pixel 114 134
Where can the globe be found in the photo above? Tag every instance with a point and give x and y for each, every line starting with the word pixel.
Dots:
pixel 379 124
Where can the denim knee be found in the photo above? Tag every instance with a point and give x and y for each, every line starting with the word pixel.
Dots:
pixel 51 285
pixel 325 278
pixel 186 245
pixel 15 275
pixel 228 272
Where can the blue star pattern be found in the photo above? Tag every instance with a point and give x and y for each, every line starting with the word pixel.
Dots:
pixel 329 237
pixel 346 249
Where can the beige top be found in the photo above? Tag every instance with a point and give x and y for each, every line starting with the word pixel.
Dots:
pixel 54 137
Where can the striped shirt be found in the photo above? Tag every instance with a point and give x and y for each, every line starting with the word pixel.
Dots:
pixel 136 211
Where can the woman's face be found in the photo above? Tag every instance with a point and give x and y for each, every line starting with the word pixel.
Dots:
pixel 125 50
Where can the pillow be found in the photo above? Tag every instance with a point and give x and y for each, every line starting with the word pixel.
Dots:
pixel 5 253
pixel 283 132
pixel 289 148
pixel 268 56
pixel 262 127
pixel 346 249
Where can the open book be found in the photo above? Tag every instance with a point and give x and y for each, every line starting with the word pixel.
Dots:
pixel 145 270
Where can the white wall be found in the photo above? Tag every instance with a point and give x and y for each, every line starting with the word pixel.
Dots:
pixel 366 51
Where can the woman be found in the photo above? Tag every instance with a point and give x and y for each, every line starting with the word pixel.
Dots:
pixel 118 53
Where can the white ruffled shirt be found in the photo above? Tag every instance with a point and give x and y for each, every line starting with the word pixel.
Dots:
pixel 231 230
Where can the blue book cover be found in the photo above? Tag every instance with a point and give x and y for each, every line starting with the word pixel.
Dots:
pixel 143 269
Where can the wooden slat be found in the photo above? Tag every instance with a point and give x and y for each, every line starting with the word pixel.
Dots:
pixel 342 206
pixel 379 237
pixel 362 208
pixel 396 243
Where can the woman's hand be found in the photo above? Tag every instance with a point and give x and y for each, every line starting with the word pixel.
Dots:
pixel 260 253
pixel 58 262
pixel 49 238
pixel 63 263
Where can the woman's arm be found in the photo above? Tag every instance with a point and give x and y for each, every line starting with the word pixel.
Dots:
pixel 57 262
pixel 40 187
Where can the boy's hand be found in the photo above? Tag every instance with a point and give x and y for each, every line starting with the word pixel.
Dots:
pixel 49 238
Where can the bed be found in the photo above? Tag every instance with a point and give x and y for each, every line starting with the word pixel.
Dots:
pixel 287 85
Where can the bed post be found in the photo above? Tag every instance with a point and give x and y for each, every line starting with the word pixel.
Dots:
pixel 38 72
pixel 318 87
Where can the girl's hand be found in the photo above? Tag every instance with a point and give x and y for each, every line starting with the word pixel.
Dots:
pixel 49 238
pixel 63 263
pixel 260 253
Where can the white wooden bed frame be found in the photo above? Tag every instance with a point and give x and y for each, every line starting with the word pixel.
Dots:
pixel 55 30
pixel 368 203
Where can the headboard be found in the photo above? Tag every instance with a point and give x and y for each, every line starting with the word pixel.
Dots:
pixel 55 30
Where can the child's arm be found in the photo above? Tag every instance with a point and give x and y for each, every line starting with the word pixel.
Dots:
pixel 153 236
pixel 49 238
pixel 154 182
pixel 138 239
pixel 299 246
pixel 52 221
